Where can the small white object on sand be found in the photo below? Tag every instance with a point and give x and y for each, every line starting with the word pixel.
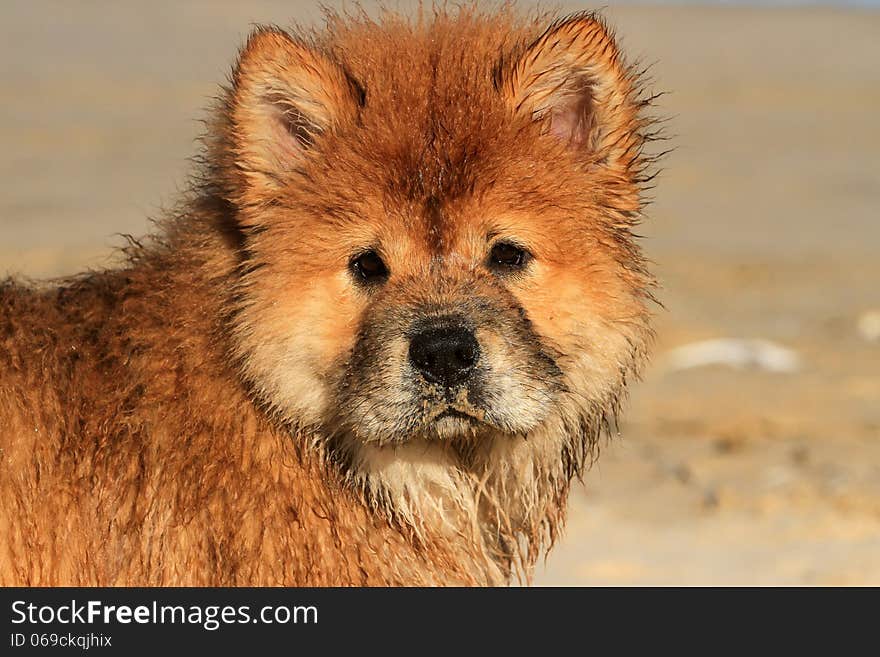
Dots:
pixel 869 325
pixel 734 352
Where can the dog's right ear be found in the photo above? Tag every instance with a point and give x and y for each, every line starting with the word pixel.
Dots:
pixel 285 96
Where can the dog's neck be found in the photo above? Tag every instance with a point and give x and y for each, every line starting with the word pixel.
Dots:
pixel 502 503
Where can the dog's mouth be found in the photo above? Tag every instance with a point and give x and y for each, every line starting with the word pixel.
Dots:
pixel 453 422
pixel 454 413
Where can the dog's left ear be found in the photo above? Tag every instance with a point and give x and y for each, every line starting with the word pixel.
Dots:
pixel 573 80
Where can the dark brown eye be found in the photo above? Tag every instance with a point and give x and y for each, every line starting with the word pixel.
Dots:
pixel 506 256
pixel 368 267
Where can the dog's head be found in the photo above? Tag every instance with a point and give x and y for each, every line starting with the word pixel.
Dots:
pixel 436 224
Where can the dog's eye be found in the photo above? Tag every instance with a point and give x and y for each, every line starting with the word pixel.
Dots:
pixel 368 267
pixel 506 257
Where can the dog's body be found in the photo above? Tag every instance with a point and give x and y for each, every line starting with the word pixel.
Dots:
pixel 376 342
pixel 133 455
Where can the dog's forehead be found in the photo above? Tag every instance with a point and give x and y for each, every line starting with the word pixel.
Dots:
pixel 436 193
pixel 433 231
pixel 432 115
pixel 438 152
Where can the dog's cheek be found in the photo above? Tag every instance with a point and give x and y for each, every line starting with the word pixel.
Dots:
pixel 331 317
pixel 516 392
pixel 584 313
pixel 292 339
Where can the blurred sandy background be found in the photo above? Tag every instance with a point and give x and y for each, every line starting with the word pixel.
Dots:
pixel 766 225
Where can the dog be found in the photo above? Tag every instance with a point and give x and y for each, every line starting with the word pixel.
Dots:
pixel 374 343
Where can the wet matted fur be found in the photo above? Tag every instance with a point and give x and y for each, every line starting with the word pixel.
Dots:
pixel 240 402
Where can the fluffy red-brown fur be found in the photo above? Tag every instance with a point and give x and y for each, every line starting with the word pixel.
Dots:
pixel 167 422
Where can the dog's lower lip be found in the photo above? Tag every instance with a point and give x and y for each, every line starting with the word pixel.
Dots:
pixel 451 412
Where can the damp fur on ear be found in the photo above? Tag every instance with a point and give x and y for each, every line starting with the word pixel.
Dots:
pixel 286 94
pixel 573 80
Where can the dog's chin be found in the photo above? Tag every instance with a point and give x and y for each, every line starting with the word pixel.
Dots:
pixel 453 424
pixel 450 425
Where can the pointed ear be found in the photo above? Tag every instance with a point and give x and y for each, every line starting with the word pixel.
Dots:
pixel 573 80
pixel 285 95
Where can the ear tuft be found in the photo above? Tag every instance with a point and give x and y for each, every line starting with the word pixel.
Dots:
pixel 573 80
pixel 285 95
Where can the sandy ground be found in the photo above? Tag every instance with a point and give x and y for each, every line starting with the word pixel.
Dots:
pixel 765 225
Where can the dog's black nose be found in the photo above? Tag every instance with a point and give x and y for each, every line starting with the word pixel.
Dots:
pixel 444 355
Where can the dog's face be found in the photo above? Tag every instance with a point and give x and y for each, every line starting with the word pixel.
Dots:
pixel 436 223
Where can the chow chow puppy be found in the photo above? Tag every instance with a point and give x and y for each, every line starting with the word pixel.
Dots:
pixel 376 341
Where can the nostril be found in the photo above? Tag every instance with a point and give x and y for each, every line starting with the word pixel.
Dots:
pixel 445 354
pixel 465 355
